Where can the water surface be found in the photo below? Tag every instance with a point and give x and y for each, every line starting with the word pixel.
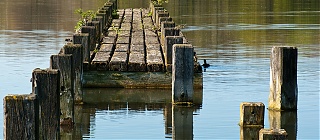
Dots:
pixel 235 37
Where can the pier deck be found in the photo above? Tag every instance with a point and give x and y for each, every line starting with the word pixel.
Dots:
pixel 130 55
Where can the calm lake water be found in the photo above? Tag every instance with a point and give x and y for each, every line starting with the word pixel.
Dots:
pixel 235 37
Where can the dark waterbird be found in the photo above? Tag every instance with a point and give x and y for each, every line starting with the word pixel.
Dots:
pixel 205 64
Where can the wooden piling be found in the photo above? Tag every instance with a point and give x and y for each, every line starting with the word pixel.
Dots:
pixel 168 32
pixel 64 63
pixel 169 42
pixel 182 73
pixel 251 119
pixel 273 134
pixel 91 30
pixel 97 25
pixel 159 14
pixel 46 85
pixel 76 51
pixel 283 78
pixel 21 117
pixel 83 39
pixel 154 13
pixel 252 114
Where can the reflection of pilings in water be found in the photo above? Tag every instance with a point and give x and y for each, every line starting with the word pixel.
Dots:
pixel 113 95
pixel 284 120
pixel 167 112
pixel 88 116
pixel 182 123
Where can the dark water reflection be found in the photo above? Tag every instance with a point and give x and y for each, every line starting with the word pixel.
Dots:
pixel 234 36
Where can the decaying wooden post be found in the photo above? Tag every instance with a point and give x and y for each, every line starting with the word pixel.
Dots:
pixel 252 114
pixel 168 32
pixel 92 35
pixel 182 123
pixel 46 85
pixel 283 78
pixel 160 14
pixel 64 63
pixel 273 134
pixel 154 11
pixel 169 42
pixel 21 117
pixel 76 51
pixel 83 39
pixel 251 119
pixel 182 74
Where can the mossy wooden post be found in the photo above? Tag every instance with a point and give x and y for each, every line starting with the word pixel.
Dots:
pixel 182 123
pixel 46 85
pixel 76 51
pixel 251 119
pixel 92 36
pixel 283 78
pixel 284 120
pixel 273 134
pixel 83 39
pixel 182 73
pixel 64 63
pixel 21 117
pixel 169 42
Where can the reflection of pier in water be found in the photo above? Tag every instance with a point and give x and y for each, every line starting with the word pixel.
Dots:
pixel 178 120
pixel 286 120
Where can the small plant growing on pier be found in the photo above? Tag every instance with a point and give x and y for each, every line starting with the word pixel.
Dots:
pixel 115 14
pixel 160 2
pixel 115 29
pixel 85 18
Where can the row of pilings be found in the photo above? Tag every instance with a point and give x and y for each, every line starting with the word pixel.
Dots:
pixel 57 89
pixel 283 98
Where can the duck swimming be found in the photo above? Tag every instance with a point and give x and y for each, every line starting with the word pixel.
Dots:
pixel 205 64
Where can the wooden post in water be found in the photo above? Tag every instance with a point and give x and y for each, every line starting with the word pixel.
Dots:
pixel 182 123
pixel 64 63
pixel 159 14
pixel 46 85
pixel 168 32
pixel 21 117
pixel 92 36
pixel 76 51
pixel 182 74
pixel 273 134
pixel 283 78
pixel 83 39
pixel 251 119
pixel 154 11
pixel 169 42
pixel 96 25
pixel 251 114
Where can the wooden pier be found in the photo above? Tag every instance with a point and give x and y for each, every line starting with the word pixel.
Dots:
pixel 118 48
pixel 130 54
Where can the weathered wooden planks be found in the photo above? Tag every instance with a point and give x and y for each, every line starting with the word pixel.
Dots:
pixel 136 44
